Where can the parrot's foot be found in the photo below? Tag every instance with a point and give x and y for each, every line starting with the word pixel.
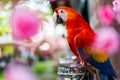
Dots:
pixel 79 60
pixel 82 62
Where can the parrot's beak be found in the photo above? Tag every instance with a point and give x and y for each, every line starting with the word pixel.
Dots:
pixel 57 19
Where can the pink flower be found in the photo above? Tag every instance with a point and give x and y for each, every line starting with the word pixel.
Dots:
pixel 107 39
pixel 116 5
pixel 24 23
pixel 18 72
pixel 106 14
pixel 116 8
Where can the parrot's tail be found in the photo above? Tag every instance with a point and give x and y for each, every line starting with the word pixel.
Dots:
pixel 103 76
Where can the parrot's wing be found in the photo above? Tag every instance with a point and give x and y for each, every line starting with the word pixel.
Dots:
pixel 98 59
pixel 104 67
pixel 84 41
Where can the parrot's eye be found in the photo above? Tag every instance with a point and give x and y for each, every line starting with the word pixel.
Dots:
pixel 62 11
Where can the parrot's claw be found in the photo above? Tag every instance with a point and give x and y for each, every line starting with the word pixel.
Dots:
pixel 82 62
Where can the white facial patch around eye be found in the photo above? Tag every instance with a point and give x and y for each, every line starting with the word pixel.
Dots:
pixel 62 14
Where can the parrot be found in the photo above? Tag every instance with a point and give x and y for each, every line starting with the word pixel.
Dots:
pixel 80 37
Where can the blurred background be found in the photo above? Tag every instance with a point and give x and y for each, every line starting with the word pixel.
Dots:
pixel 34 51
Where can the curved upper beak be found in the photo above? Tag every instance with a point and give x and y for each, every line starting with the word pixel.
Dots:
pixel 57 19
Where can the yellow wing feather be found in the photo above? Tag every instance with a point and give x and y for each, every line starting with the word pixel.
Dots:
pixel 98 55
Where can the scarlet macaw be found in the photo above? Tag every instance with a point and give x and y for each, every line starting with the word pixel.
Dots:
pixel 80 37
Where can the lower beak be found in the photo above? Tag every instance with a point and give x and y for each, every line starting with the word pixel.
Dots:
pixel 59 20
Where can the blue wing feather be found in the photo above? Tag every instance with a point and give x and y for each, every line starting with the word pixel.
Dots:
pixel 103 67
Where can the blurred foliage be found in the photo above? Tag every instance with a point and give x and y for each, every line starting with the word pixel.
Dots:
pixel 8 49
pixel 45 70
pixel 7 1
pixel 1 75
pixel 4 19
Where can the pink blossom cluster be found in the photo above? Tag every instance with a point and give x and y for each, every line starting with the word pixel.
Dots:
pixel 107 39
pixel 18 72
pixel 116 5
pixel 116 8
pixel 106 14
pixel 24 23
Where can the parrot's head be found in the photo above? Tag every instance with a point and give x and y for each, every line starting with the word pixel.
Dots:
pixel 63 14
